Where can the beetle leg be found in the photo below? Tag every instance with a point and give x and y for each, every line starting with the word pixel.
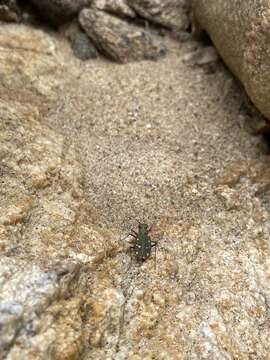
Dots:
pixel 134 232
pixel 150 228
pixel 135 236
pixel 154 244
pixel 156 257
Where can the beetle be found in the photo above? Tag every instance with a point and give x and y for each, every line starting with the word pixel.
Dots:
pixel 142 243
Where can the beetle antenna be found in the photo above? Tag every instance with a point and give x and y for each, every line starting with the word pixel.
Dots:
pixel 150 227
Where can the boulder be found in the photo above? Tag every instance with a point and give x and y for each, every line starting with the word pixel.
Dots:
pixel 46 237
pixel 170 13
pixel 118 39
pixel 46 240
pixel 240 31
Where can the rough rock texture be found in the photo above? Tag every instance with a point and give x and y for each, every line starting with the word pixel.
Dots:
pixel 240 31
pixel 45 235
pixel 84 157
pixel 45 226
pixel 30 65
pixel 119 40
pixel 60 10
pixel 117 7
pixel 172 14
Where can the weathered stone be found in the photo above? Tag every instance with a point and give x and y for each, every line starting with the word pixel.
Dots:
pixel 172 14
pixel 240 31
pixel 60 10
pixel 117 7
pixel 30 64
pixel 45 235
pixel 119 40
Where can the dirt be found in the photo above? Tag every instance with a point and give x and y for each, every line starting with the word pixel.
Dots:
pixel 154 137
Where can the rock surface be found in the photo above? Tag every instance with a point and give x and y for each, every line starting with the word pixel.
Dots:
pixel 117 7
pixel 172 14
pixel 240 31
pixel 43 240
pixel 89 149
pixel 42 212
pixel 30 64
pixel 119 40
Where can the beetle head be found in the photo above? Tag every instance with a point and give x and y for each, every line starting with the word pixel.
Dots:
pixel 143 227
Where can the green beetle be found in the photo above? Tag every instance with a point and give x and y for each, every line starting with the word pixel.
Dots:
pixel 142 243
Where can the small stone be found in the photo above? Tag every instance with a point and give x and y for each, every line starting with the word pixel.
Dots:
pixel 240 31
pixel 170 13
pixel 119 40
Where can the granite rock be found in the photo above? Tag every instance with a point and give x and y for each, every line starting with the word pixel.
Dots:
pixel 240 32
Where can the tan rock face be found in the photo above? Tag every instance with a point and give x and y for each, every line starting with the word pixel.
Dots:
pixel 45 240
pixel 29 63
pixel 44 221
pixel 118 39
pixel 240 31
pixel 45 232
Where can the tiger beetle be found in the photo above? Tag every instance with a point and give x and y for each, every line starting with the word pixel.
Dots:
pixel 142 243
